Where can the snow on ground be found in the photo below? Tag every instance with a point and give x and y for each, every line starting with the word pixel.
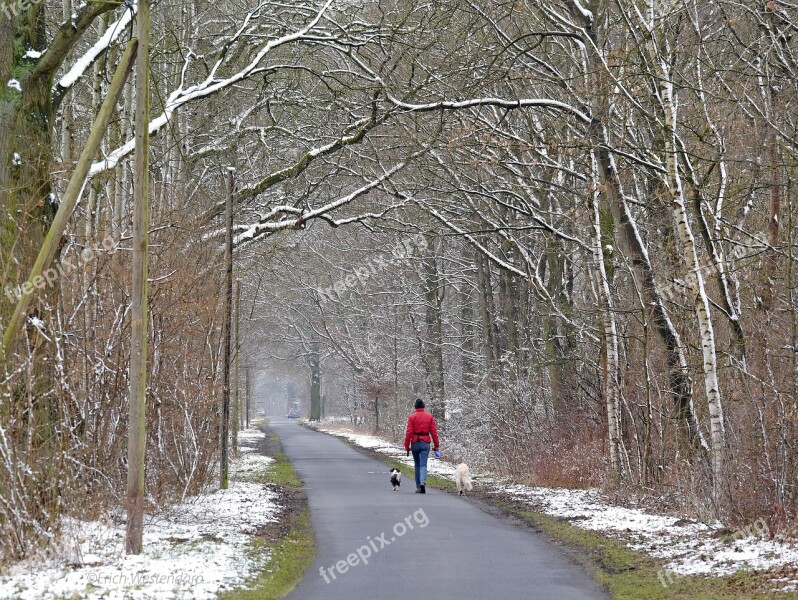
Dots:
pixel 250 461
pixel 688 547
pixel 195 550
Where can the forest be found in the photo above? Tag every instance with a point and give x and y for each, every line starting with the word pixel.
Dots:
pixel 567 225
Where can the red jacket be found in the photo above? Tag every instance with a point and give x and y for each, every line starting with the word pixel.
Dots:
pixel 420 426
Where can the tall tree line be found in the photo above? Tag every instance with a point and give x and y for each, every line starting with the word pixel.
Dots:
pixel 594 201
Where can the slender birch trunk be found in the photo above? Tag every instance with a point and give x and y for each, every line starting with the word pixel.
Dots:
pixel 696 286
pixel 610 382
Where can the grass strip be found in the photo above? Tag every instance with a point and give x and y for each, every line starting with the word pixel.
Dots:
pixel 291 545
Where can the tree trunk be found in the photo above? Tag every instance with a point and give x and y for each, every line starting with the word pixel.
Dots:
pixel 610 383
pixel 555 284
pixel 770 260
pixel 487 311
pixel 315 387
pixel 695 281
pixel 731 307
pixel 433 296
pixel 508 329
pixel 467 364
pixel 25 150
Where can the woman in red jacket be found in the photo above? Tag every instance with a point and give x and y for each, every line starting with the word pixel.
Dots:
pixel 421 428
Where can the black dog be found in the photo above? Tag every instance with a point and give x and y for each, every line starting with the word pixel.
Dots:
pixel 396 478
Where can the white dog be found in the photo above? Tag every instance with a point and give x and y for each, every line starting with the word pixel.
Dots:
pixel 462 477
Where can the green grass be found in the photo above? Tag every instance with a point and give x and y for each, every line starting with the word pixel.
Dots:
pixel 282 473
pixel 290 558
pixel 294 552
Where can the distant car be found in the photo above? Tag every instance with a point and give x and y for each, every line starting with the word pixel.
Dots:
pixel 261 413
pixel 293 413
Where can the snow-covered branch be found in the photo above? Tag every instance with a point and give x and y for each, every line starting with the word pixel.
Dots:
pixel 211 85
pixel 67 36
pixel 92 54
pixel 500 102
pixel 275 219
pixel 361 129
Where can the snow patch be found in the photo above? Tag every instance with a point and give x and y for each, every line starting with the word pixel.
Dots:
pixel 197 549
pixel 36 322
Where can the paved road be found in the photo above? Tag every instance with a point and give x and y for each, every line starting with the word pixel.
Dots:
pixel 403 545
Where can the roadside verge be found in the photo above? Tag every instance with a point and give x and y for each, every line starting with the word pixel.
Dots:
pixel 289 541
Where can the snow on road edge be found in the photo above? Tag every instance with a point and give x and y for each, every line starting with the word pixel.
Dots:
pixel 197 549
pixel 689 547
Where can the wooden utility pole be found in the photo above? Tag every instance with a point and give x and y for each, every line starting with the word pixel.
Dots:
pixel 228 308
pixel 247 390
pixel 237 399
pixel 137 435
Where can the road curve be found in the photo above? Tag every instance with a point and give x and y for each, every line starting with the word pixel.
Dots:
pixel 375 543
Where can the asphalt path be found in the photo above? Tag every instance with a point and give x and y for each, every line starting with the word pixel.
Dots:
pixel 373 543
